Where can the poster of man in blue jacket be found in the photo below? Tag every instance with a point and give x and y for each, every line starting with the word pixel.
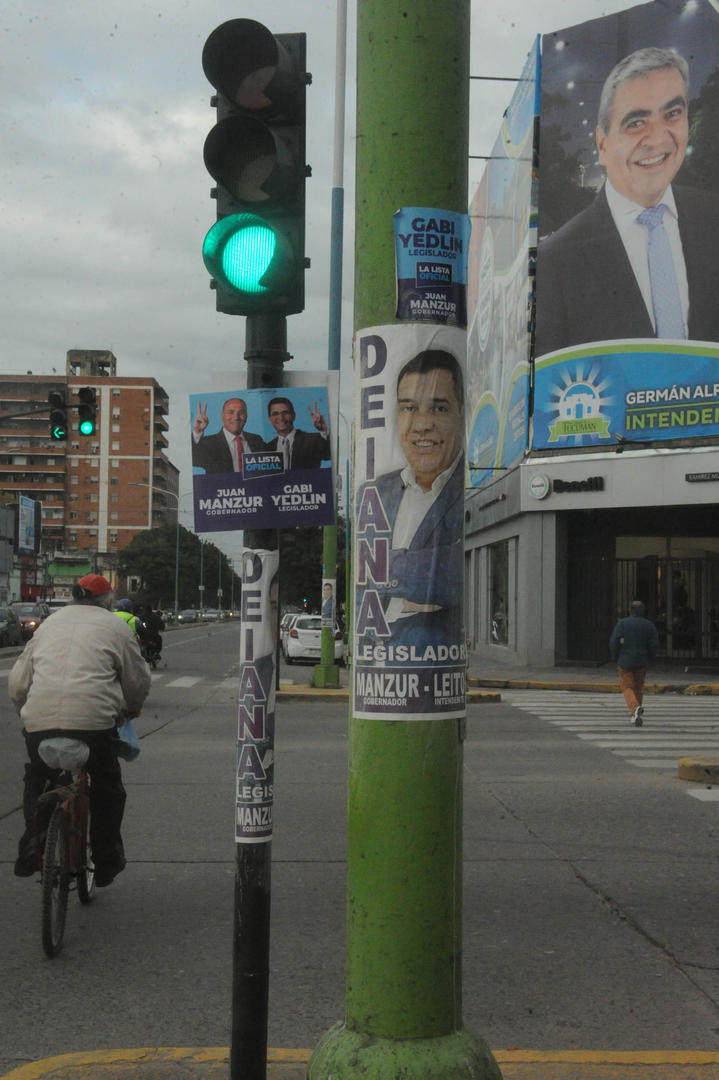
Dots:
pixel 409 523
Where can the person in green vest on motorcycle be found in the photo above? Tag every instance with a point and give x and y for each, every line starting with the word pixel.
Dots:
pixel 123 609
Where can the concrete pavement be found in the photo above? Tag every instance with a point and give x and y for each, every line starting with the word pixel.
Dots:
pixel 486 683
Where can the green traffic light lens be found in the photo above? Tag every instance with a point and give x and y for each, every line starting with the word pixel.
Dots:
pixel 246 256
pixel 87 427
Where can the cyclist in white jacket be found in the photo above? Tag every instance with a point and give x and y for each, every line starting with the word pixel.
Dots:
pixel 80 673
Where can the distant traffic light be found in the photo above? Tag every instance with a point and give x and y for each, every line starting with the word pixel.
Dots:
pixel 58 415
pixel 87 411
pixel 256 153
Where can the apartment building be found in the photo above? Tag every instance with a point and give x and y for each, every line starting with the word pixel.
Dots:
pixel 99 491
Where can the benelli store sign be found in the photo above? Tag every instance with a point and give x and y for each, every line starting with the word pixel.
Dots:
pixel 542 485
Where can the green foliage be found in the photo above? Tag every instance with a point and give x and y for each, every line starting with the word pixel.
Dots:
pixel 150 556
pixel 301 566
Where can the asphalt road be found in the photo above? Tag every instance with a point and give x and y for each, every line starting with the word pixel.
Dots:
pixel 590 884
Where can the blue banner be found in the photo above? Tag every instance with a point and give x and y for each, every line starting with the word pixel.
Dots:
pixel 643 392
pixel 503 213
pixel 431 250
pixel 261 459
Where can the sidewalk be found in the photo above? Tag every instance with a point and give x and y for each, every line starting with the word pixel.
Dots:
pixel 167 1063
pixel 483 678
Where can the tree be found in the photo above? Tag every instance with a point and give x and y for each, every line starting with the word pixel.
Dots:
pixel 151 556
pixel 301 566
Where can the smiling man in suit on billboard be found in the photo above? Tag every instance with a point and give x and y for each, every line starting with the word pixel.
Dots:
pixel 641 261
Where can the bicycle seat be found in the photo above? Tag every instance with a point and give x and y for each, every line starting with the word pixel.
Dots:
pixel 63 753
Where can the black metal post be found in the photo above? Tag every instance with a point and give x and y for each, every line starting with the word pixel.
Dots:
pixel 265 353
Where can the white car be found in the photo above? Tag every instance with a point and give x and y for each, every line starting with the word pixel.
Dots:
pixel 286 623
pixel 304 640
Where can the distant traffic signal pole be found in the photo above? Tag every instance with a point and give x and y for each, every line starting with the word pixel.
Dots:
pixel 326 673
pixel 403 1012
pixel 255 254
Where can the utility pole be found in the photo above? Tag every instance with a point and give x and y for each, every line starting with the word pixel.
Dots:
pixel 403 1004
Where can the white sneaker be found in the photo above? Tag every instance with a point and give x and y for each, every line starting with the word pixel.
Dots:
pixel 637 718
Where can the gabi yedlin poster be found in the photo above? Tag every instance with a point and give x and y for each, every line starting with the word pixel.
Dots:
pixel 408 528
pixel 262 458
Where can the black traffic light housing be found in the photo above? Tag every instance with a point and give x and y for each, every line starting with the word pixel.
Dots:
pixel 87 411
pixel 58 415
pixel 256 154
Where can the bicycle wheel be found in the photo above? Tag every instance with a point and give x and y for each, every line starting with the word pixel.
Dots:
pixel 86 872
pixel 55 885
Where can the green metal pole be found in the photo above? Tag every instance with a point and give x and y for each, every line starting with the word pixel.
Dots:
pixel 403 1009
pixel 326 673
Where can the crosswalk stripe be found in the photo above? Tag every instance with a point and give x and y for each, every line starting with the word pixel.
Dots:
pixel 673 728
pixel 185 681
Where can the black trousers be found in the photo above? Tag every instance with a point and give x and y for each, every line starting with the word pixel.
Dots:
pixel 107 793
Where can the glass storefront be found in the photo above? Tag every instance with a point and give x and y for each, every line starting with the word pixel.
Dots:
pixel 677 578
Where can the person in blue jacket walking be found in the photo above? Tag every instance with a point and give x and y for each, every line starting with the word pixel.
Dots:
pixel 634 642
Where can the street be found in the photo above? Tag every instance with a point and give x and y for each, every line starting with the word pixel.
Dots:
pixel 590 877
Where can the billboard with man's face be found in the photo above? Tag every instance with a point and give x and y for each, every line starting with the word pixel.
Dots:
pixel 626 340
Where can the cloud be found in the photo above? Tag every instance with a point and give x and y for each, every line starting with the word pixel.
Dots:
pixel 104 197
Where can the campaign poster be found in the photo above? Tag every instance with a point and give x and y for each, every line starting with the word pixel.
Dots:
pixel 627 321
pixel 503 214
pixel 431 248
pixel 261 458
pixel 256 710
pixel 408 529
pixel 647 393
pixel 329 601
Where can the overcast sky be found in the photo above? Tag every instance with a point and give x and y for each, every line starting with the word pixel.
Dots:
pixel 104 197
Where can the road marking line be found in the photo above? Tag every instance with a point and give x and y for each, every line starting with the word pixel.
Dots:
pixel 704 794
pixel 184 680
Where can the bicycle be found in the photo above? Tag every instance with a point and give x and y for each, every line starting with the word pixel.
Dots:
pixel 62 818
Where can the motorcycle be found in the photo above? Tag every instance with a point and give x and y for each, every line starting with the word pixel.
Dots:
pixel 151 649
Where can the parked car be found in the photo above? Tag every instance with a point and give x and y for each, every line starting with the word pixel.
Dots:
pixel 304 640
pixel 189 615
pixel 30 616
pixel 286 623
pixel 10 628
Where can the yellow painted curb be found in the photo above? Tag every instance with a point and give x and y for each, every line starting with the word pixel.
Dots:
pixel 148 1055
pixel 608 1057
pixel 313 693
pixel 583 1063
pixel 702 770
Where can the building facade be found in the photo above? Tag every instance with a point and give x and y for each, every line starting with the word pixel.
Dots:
pixel 97 492
pixel 558 547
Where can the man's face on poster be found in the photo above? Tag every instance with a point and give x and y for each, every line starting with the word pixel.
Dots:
pixel 429 422
pixel 234 415
pixel 647 138
pixel 282 417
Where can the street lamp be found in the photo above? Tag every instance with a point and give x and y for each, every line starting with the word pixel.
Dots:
pixel 176 497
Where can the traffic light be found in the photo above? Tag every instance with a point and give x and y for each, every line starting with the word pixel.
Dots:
pixel 58 415
pixel 256 152
pixel 87 411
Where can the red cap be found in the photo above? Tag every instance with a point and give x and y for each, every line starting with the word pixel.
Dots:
pixel 95 585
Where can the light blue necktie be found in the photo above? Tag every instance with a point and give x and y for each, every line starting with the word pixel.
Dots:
pixel 665 292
